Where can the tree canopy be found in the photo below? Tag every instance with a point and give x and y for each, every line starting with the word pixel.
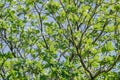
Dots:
pixel 59 39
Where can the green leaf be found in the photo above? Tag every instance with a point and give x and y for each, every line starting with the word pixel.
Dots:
pixel 109 46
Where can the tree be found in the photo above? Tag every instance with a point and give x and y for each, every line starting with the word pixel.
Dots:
pixel 59 39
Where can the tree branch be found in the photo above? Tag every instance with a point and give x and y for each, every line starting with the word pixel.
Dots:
pixel 109 68
pixel 41 26
pixel 100 32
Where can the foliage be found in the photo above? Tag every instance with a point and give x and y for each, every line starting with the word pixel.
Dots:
pixel 59 39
